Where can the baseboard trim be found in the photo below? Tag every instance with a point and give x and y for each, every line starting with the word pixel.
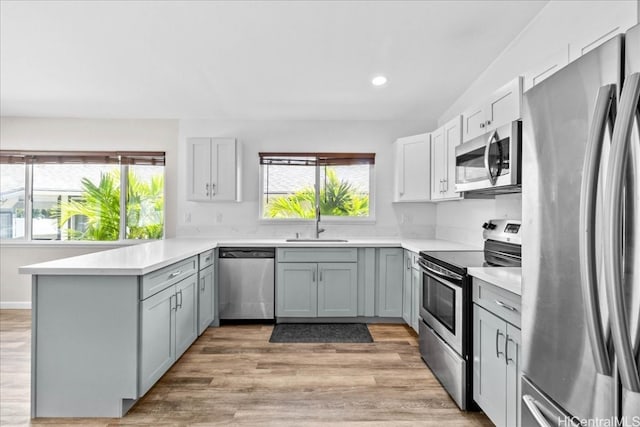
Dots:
pixel 15 305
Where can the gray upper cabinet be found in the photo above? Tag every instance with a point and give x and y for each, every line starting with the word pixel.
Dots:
pixel 337 289
pixel 296 289
pixel 496 353
pixel 213 172
pixel 390 282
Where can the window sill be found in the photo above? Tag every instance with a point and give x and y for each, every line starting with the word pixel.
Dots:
pixel 293 221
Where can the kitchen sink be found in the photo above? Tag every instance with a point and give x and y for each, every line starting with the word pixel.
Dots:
pixel 318 240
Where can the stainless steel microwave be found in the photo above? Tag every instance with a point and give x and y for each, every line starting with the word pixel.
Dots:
pixel 490 163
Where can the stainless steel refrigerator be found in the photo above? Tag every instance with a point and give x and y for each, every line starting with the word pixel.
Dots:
pixel 581 241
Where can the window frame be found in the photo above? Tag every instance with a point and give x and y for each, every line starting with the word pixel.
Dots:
pixel 125 159
pixel 371 219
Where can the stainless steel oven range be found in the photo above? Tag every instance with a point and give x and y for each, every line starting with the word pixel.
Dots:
pixel 445 309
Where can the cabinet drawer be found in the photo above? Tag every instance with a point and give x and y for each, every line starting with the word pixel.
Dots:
pixel 206 259
pixel 158 280
pixel 500 302
pixel 317 254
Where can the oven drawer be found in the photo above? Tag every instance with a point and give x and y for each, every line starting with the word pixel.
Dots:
pixel 500 302
pixel 446 364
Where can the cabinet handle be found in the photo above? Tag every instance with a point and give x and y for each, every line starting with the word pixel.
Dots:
pixel 202 285
pixel 213 189
pixel 179 305
pixel 171 305
pixel 207 259
pixel 507 306
pixel 408 263
pixel 313 273
pixel 506 349
pixel 481 125
pixel 320 274
pixel 175 274
pixel 206 188
pixel 445 185
pixel 498 352
pixel 488 122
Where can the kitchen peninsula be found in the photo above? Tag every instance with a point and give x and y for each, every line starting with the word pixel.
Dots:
pixel 108 325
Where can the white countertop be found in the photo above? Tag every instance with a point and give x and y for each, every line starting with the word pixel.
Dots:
pixel 508 278
pixel 143 258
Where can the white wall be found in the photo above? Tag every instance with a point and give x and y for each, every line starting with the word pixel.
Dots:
pixel 561 26
pixel 241 219
pixel 79 134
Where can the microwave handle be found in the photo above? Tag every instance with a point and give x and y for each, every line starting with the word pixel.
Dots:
pixel 493 138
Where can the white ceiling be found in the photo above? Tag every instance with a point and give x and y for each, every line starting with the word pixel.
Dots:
pixel 281 60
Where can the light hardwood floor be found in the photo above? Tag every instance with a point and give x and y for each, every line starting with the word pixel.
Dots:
pixel 233 376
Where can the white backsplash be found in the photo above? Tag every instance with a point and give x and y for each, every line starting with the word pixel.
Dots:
pixel 461 220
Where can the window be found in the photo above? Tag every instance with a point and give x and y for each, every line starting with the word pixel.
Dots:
pixel 101 196
pixel 293 182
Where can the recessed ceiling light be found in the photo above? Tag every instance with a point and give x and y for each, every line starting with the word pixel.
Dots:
pixel 379 81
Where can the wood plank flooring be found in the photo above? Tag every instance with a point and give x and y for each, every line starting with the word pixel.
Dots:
pixel 233 376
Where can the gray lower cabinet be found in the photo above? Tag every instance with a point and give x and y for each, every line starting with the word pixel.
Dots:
pixel 337 289
pixel 411 288
pixel 496 354
pixel 318 282
pixel 390 282
pixel 296 289
pixel 407 289
pixel 206 298
pixel 168 326
pixel 416 296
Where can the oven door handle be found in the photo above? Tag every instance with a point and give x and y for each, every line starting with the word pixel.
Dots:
pixel 443 274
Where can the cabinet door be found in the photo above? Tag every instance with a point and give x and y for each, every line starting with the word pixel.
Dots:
pixel 489 371
pixel 338 289
pixel 512 355
pixel 504 105
pixel 452 138
pixel 412 174
pixel 438 163
pixel 390 278
pixel 297 289
pixel 157 344
pixel 224 172
pixel 473 123
pixel 199 168
pixel 546 67
pixel 416 288
pixel 186 313
pixel 206 303
pixel 406 289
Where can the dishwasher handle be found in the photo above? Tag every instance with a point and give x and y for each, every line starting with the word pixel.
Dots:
pixel 244 253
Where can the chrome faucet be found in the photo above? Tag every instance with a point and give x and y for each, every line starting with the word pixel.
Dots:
pixel 318 229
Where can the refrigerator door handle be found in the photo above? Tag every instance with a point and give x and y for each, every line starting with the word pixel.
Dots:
pixel 604 109
pixel 613 244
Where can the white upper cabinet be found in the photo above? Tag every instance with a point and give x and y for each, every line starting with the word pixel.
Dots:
pixel 546 67
pixel 443 158
pixel 412 164
pixel 502 107
pixel 213 172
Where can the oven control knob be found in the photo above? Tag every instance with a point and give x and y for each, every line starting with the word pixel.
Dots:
pixel 489 226
pixel 485 225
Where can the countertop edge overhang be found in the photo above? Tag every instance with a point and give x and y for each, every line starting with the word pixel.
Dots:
pixel 138 260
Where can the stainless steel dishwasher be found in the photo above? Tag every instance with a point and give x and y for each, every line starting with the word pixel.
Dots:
pixel 246 283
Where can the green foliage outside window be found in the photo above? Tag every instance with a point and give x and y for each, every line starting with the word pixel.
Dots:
pixel 337 198
pixel 98 209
